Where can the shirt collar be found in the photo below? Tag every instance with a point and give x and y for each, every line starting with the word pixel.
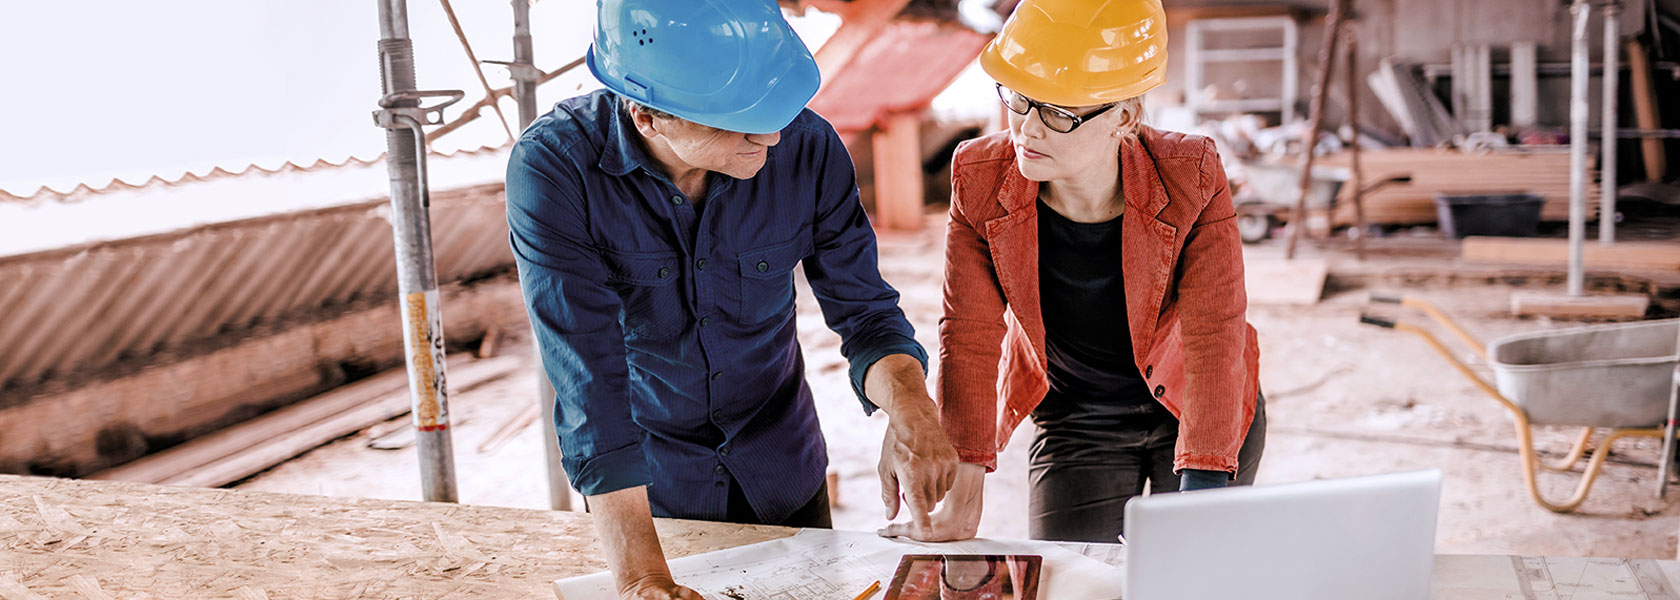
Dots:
pixel 623 152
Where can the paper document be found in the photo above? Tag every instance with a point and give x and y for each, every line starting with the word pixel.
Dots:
pixel 821 563
pixel 1551 578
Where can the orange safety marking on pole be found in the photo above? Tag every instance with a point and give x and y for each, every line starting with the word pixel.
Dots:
pixel 423 337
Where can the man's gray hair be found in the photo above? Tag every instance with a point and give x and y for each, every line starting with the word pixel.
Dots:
pixel 645 109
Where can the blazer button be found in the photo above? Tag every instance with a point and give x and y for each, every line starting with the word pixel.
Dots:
pixel 1149 371
pixel 763 266
pixel 1160 390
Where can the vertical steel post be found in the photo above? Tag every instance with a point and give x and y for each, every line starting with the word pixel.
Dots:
pixel 416 276
pixel 1578 74
pixel 1612 96
pixel 525 83
pixel 525 77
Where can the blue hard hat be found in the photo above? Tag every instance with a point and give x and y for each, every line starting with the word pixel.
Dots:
pixel 729 64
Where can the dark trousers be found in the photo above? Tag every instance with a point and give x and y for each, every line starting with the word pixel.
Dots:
pixel 1079 480
pixel 814 514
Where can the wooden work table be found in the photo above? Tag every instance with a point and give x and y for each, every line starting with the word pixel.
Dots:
pixel 97 540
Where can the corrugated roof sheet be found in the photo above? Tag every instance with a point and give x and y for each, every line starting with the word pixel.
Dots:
pixel 81 309
pixel 85 190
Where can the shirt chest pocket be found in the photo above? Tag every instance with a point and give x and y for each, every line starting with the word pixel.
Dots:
pixel 767 280
pixel 651 302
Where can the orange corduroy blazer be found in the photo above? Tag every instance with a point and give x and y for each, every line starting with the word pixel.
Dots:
pixel 1182 265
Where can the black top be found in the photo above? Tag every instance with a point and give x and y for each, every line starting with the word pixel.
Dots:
pixel 1094 380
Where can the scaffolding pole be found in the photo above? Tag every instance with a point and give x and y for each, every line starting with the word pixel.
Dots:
pixel 403 117
pixel 526 77
pixel 1612 97
pixel 1578 147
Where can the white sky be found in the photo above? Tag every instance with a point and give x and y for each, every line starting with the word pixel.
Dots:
pixel 101 89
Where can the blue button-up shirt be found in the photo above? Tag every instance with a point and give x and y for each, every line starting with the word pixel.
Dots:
pixel 668 330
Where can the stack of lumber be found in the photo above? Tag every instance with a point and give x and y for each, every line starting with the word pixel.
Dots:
pixel 1544 173
pixel 1544 252
pixel 256 445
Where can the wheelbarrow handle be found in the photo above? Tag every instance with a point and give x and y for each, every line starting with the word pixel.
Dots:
pixel 1378 321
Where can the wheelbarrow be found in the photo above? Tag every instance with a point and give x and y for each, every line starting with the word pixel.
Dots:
pixel 1269 190
pixel 1619 377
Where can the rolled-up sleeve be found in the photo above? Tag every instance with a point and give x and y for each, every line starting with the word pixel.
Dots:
pixel 575 316
pixel 845 275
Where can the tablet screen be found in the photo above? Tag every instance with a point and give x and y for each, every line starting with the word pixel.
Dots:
pixel 965 577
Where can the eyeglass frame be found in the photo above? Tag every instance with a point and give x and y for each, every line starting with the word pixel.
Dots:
pixel 1041 106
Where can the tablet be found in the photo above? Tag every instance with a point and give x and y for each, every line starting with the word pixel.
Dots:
pixel 966 577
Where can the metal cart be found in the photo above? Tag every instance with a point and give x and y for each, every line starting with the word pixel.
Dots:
pixel 1619 377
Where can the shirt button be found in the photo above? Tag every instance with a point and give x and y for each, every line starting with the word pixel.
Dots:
pixel 763 266
pixel 1160 390
pixel 717 415
pixel 717 484
pixel 700 264
pixel 724 451
pixel 663 272
pixel 1149 371
pixel 704 321
pixel 720 470
pixel 715 376
pixel 677 200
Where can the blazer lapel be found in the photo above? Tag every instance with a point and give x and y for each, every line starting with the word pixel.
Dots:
pixel 1013 239
pixel 1148 247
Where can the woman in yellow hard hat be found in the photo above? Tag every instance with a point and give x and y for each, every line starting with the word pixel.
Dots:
pixel 1094 282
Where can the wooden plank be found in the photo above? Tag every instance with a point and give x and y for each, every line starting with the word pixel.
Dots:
pixel 280 449
pixel 1645 111
pixel 898 173
pixel 1563 306
pixel 242 450
pixel 227 442
pixel 1636 256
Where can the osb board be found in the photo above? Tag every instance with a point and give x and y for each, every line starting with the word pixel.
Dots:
pixel 143 541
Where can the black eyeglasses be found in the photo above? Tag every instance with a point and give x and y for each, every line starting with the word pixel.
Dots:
pixel 1058 119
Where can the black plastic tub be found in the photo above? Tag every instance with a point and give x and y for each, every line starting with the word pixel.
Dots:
pixel 1510 215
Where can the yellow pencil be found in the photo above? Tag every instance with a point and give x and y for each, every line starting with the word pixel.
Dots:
pixel 870 591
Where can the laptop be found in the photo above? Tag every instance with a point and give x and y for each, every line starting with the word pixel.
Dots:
pixel 1370 538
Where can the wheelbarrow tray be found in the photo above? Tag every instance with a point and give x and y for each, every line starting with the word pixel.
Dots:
pixel 1597 376
pixel 1278 185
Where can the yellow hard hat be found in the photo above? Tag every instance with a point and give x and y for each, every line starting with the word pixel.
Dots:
pixel 1080 52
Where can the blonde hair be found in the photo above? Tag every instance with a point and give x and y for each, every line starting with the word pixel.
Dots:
pixel 1132 107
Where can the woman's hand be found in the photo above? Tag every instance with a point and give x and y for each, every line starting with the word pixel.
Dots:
pixel 957 518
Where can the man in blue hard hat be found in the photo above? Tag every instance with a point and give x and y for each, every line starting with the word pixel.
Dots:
pixel 656 225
